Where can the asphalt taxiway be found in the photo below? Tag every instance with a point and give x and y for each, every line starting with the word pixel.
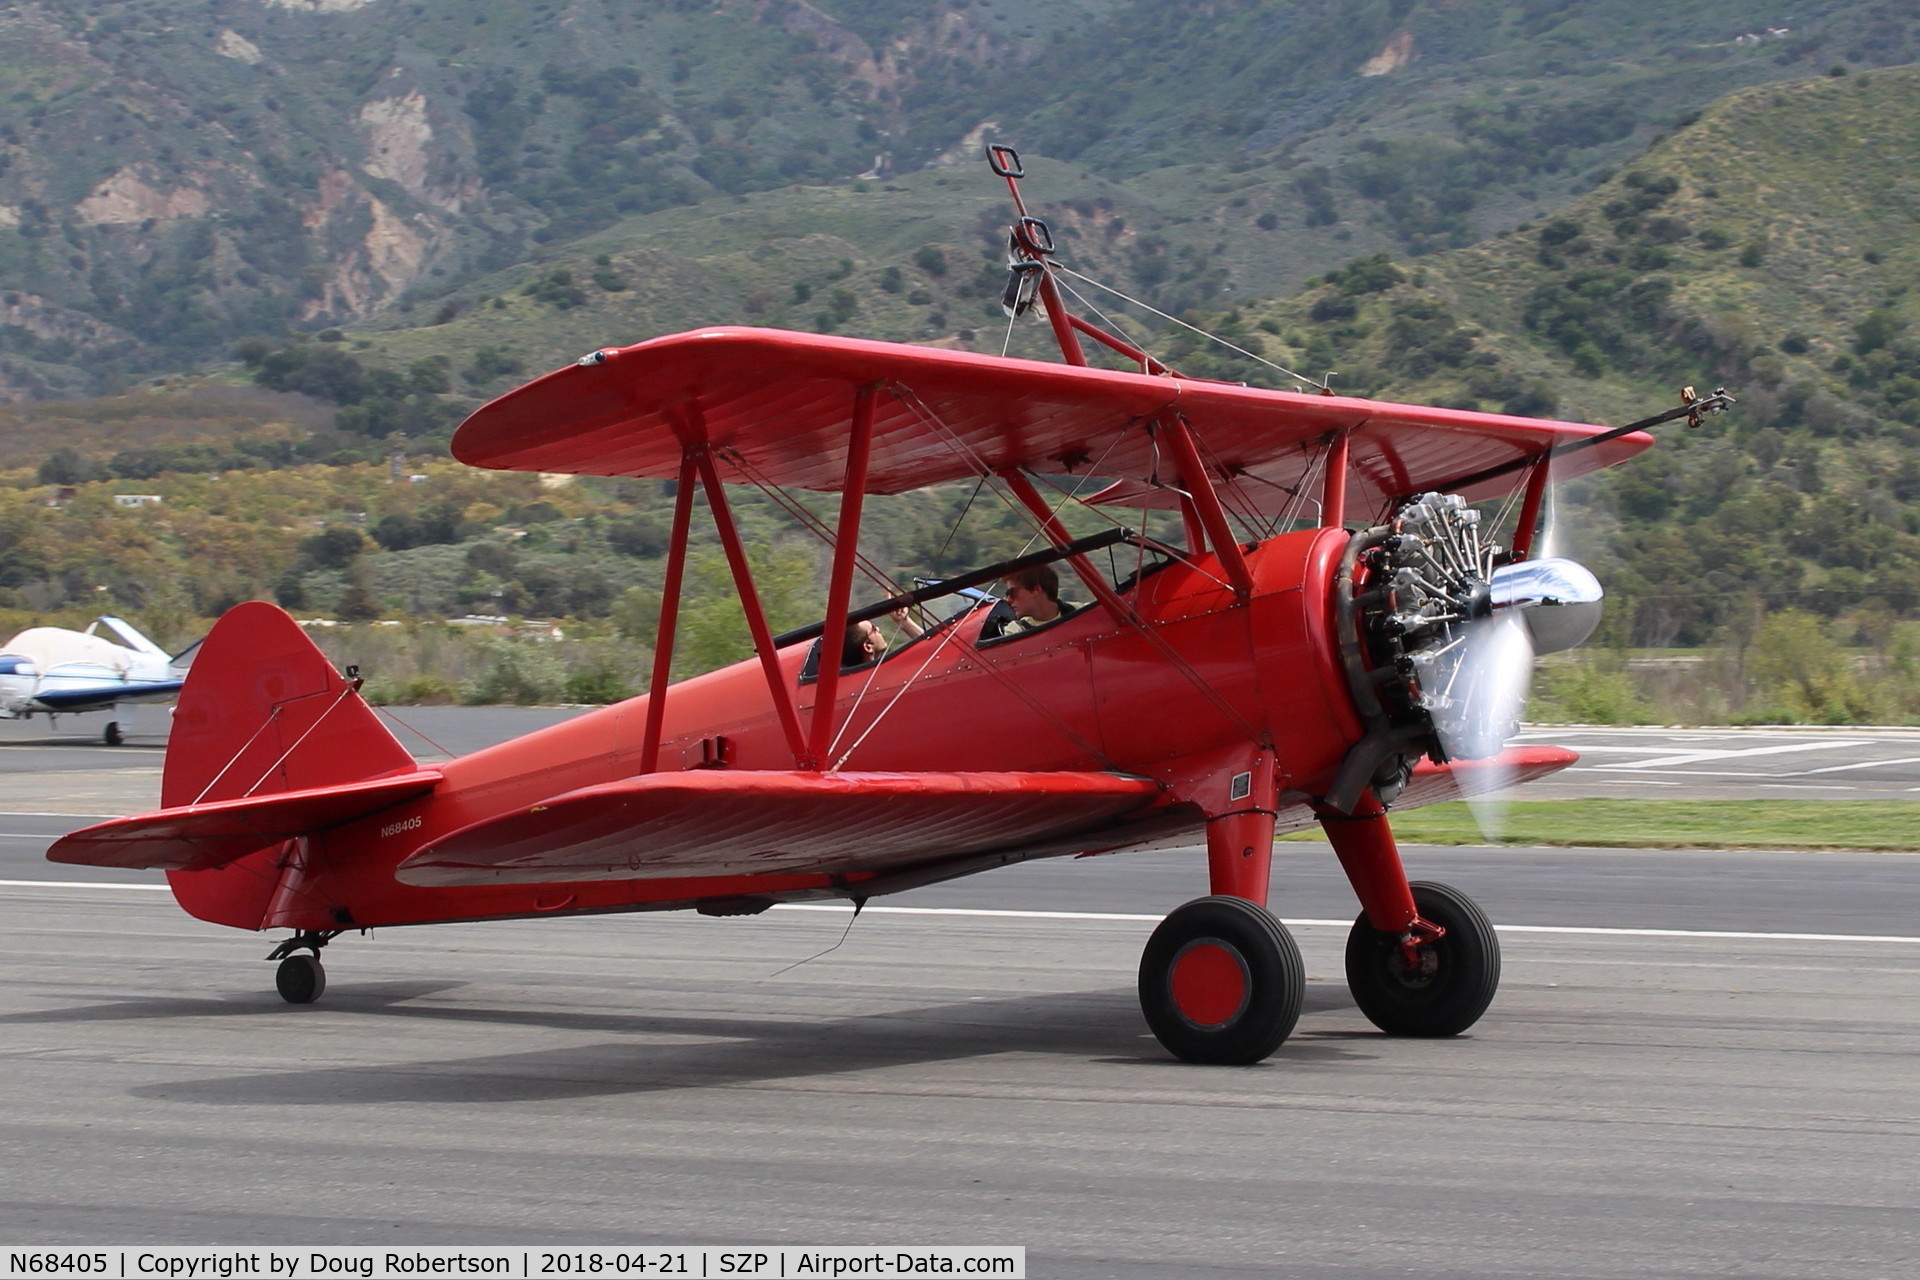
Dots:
pixel 1698 1064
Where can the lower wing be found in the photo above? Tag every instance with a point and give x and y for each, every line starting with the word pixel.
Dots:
pixel 1437 783
pixel 744 822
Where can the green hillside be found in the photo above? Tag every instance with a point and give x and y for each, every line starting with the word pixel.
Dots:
pixel 1770 245
pixel 175 177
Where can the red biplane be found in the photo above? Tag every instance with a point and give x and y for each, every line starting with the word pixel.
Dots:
pixel 1331 636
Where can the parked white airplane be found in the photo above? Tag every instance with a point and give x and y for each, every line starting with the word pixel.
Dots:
pixel 52 671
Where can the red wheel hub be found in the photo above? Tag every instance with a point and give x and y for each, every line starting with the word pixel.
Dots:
pixel 1209 982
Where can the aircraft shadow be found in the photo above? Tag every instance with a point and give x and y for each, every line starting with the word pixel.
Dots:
pixel 366 997
pixel 731 1051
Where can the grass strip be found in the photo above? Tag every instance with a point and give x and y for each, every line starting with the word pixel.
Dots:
pixel 1886 825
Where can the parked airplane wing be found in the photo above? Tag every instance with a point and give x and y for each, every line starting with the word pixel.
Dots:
pixel 782 403
pixel 199 837
pixel 738 822
pixel 94 697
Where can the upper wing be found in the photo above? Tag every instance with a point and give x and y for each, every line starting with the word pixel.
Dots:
pixel 746 822
pixel 783 401
pixel 94 696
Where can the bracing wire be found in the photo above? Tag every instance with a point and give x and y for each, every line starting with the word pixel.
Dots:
pixel 1211 337
pixel 1074 496
pixel 1108 320
pixel 908 683
pixel 1244 508
pixel 809 521
pixel 955 441
pixel 940 556
pixel 416 732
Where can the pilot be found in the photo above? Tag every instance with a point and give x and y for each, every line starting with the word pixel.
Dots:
pixel 1034 596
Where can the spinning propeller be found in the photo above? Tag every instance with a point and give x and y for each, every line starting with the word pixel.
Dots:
pixel 1440 642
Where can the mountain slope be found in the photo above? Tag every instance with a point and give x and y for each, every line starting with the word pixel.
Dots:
pixel 179 175
pixel 1770 245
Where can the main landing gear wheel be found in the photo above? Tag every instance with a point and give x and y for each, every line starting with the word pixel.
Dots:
pixel 1436 989
pixel 300 979
pixel 1221 981
pixel 111 734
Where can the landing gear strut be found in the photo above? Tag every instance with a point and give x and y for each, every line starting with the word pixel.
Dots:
pixel 1422 959
pixel 300 978
pixel 1221 981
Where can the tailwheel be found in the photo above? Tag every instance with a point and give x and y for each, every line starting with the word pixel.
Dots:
pixel 1221 981
pixel 300 979
pixel 1426 988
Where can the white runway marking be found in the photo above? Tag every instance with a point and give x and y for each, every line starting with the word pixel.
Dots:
pixel 1694 757
pixel 1749 774
pixel 1865 764
pixel 84 884
pixel 1345 924
pixel 1127 917
pixel 1595 768
pixel 42 813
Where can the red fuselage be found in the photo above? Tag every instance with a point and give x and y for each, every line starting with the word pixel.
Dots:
pixel 1209 675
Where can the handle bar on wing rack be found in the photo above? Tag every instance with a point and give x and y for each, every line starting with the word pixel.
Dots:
pixel 955 585
pixel 1692 408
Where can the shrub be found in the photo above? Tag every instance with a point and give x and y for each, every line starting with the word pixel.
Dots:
pixel 1366 275
pixel 1798 667
pixel 519 672
pixel 597 686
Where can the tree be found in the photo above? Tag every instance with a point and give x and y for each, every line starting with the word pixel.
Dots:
pixel 334 548
pixel 357 602
pixel 65 466
pixel 641 536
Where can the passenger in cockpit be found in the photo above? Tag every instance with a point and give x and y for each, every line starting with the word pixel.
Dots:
pixel 864 643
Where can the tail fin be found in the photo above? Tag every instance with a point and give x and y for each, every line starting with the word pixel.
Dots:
pixel 267 725
pixel 263 711
pixel 124 633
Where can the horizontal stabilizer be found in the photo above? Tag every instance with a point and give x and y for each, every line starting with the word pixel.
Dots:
pixel 747 822
pixel 1438 783
pixel 106 695
pixel 199 837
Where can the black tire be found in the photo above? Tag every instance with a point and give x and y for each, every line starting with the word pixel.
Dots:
pixel 1240 977
pixel 300 979
pixel 111 734
pixel 1454 981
